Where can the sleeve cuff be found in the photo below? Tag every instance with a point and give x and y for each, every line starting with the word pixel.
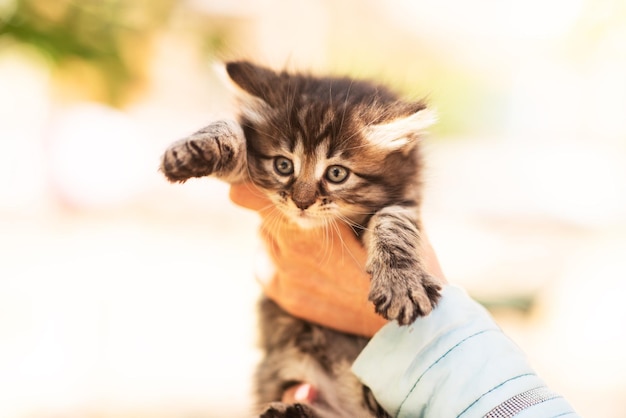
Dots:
pixel 454 362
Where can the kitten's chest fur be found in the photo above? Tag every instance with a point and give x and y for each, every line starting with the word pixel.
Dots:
pixel 324 150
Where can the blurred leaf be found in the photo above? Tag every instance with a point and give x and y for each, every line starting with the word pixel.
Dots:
pixel 93 31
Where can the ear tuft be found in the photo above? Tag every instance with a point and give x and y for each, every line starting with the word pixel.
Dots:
pixel 254 80
pixel 401 132
pixel 252 85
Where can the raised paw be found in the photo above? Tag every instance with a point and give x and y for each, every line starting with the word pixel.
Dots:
pixel 218 149
pixel 403 294
pixel 283 410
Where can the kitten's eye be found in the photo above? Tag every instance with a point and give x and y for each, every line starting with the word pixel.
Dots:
pixel 283 166
pixel 337 174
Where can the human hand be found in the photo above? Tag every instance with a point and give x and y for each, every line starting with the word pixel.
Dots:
pixel 317 274
pixel 300 393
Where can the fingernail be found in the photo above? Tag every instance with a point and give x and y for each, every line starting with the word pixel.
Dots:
pixel 264 270
pixel 305 393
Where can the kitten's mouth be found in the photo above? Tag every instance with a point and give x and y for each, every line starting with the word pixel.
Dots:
pixel 306 220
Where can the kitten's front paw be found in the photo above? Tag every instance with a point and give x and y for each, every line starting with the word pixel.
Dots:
pixel 403 294
pixel 216 149
pixel 283 410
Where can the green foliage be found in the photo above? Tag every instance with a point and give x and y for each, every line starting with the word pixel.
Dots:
pixel 94 32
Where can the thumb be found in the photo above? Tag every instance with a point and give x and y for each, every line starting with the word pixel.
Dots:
pixel 248 196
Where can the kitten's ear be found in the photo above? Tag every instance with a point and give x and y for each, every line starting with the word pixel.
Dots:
pixel 256 88
pixel 253 80
pixel 402 132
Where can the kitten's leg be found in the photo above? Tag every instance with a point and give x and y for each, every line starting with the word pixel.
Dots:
pixel 298 351
pixel 218 149
pixel 400 289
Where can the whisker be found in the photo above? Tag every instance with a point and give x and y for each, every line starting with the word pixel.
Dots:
pixel 253 188
pixel 355 226
pixel 272 227
pixel 328 240
pixel 333 223
pixel 345 108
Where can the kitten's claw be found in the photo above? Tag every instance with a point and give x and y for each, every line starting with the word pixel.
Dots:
pixel 400 288
pixel 403 295
pixel 216 149
pixel 283 410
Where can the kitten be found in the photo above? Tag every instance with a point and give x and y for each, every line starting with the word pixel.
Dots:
pixel 324 150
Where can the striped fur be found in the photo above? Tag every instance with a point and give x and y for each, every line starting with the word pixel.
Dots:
pixel 324 150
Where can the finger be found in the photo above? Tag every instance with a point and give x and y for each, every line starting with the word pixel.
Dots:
pixel 248 196
pixel 329 246
pixel 300 393
pixel 264 268
pixel 431 261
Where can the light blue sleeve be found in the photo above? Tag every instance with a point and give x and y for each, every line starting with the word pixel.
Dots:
pixel 456 362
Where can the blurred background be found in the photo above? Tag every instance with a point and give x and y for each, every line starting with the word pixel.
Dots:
pixel 124 296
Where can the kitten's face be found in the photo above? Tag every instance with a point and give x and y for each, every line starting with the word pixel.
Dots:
pixel 327 150
pixel 314 185
pixel 313 190
pixel 314 174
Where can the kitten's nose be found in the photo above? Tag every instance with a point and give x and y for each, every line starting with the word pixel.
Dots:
pixel 303 195
pixel 303 204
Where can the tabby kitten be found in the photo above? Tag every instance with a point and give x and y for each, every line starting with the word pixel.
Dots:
pixel 324 150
